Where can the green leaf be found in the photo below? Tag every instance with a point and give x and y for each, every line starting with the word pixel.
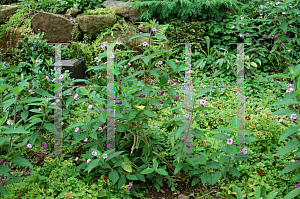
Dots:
pixel 239 194
pixel 172 64
pixel 272 195
pixel 162 172
pixel 149 113
pixel 69 101
pixel 138 36
pixel 257 193
pixel 49 127
pixel 146 59
pixel 216 177
pixel 79 138
pixel 126 165
pixel 97 67
pixel 147 171
pixel 8 103
pixel 155 72
pixel 279 76
pixel 177 132
pixel 161 37
pixel 288 132
pixel 234 171
pixel 177 118
pixel 284 102
pixel 4 119
pixel 224 129
pixel 113 176
pixel 19 129
pixel 141 177
pixel 203 92
pixel 22 162
pixel 93 164
pixel 197 133
pixel 24 115
pixel 131 177
pixel 289 168
pixel 31 99
pixel 33 137
pixel 102 117
pixel 121 181
pixel 42 92
pixel 131 115
pixel 178 167
pixel 291 145
pixel 16 90
pixel 284 25
pixel 155 164
pixel 205 177
pixel 287 112
pixel 221 136
pixel 298 84
pixel 94 135
pixel 195 180
pixel 164 79
pixel 293 193
pixel 3 190
pixel 13 180
pixel 4 169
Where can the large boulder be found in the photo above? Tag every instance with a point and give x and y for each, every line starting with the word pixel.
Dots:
pixel 123 8
pixel 58 29
pixel 6 11
pixel 93 24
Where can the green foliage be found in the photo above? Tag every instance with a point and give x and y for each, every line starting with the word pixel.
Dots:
pixel 182 8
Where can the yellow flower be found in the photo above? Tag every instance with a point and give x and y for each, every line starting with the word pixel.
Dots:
pixel 269 91
pixel 139 107
pixel 38 169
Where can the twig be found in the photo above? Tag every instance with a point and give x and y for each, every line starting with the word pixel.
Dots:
pixel 208 193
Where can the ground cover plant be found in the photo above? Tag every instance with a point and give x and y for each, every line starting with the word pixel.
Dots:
pixel 149 117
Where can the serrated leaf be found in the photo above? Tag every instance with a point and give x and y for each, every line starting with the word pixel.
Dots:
pixel 224 129
pixel 126 165
pixel 141 177
pixel 147 171
pixel 22 162
pixel 178 167
pixel 131 115
pixel 113 176
pixel 92 164
pixel 19 129
pixel 197 133
pixel 121 182
pixel 42 92
pixel 131 177
pixel 162 172
pixel 221 136
pixel 164 79
pixel 149 113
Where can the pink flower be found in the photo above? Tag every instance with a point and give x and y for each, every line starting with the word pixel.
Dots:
pixel 99 60
pixel 94 153
pixel 232 27
pixel 112 56
pixel 229 141
pixel 85 140
pixel 162 44
pixel 154 29
pixel 47 78
pixel 76 96
pixel 119 43
pixel 244 151
pixel 192 145
pixel 38 61
pixel 283 13
pixel 186 116
pixel 76 129
pixel 44 145
pixel 117 50
pixel 88 161
pixel 294 116
pixel 182 139
pixel 53 80
pixel 29 146
pixel 275 17
pixel 99 76
pixel 176 61
pixel 31 91
pixel 11 138
pixel 129 64
pixel 145 44
pixel 62 123
pixel 9 122
pixel 277 3
pixel 76 159
pixel 90 106
pixel 105 156
pixel 67 71
pixel 280 120
pixel 203 102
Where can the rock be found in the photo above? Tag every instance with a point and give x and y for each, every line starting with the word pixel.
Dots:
pixel 58 29
pixel 14 36
pixel 93 24
pixel 6 11
pixel 123 8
